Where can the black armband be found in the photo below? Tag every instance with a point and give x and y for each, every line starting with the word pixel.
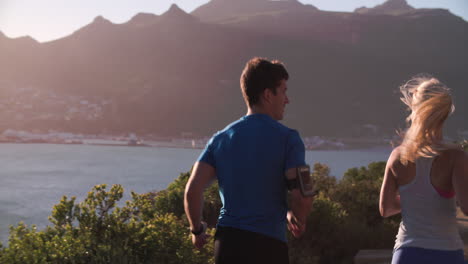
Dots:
pixel 303 181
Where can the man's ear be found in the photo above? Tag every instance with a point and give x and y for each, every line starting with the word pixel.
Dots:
pixel 267 94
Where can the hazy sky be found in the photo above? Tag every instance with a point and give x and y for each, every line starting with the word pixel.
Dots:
pixel 51 19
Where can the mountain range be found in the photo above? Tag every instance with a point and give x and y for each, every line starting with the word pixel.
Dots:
pixel 179 72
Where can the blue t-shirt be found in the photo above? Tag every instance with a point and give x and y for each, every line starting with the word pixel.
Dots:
pixel 251 157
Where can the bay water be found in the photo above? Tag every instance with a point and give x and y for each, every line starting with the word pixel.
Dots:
pixel 34 177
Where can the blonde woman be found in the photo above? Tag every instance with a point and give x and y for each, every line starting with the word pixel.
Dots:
pixel 424 178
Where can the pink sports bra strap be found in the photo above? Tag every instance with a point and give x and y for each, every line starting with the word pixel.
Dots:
pixel 445 194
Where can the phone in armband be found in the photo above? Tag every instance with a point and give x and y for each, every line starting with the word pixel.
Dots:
pixel 304 179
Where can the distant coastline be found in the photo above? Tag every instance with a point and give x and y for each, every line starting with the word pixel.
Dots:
pixel 186 142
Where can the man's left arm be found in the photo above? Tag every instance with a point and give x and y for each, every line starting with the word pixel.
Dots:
pixel 203 174
pixel 300 205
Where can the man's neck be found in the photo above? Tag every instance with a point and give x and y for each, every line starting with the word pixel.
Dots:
pixel 257 110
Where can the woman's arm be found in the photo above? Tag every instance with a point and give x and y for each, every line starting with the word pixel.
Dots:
pixel 460 180
pixel 389 197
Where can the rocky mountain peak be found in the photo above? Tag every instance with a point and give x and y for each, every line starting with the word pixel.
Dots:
pixel 176 14
pixel 25 41
pixel 97 26
pixel 142 19
pixel 101 20
pixel 217 10
pixel 175 10
pixel 397 4
pixel 390 7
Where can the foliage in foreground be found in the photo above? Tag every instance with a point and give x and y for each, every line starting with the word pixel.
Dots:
pixel 345 218
pixel 97 231
pixel 152 227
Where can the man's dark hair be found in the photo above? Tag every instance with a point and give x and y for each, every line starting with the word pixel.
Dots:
pixel 260 74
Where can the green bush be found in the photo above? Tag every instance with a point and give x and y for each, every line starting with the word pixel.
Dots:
pixel 171 200
pixel 323 182
pixel 152 227
pixel 96 231
pixel 324 234
pixel 345 217
pixel 359 192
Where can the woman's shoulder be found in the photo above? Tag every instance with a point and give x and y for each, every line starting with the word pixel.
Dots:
pixel 454 154
pixel 394 161
pixel 453 158
pixel 402 171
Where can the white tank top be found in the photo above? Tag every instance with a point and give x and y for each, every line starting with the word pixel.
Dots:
pixel 428 219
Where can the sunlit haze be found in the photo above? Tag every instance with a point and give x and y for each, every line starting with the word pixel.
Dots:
pixel 52 19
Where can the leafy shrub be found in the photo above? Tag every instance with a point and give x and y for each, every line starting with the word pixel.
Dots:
pixel 96 231
pixel 345 217
pixel 152 227
pixel 171 200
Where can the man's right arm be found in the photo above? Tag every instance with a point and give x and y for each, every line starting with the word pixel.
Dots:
pixel 203 174
pixel 300 207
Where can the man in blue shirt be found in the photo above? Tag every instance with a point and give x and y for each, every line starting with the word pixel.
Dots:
pixel 251 159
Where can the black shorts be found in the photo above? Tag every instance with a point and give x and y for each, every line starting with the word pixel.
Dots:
pixel 238 246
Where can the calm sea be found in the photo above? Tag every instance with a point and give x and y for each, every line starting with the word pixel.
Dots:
pixel 34 177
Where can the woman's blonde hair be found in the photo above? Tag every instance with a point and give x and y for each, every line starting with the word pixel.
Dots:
pixel 430 104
